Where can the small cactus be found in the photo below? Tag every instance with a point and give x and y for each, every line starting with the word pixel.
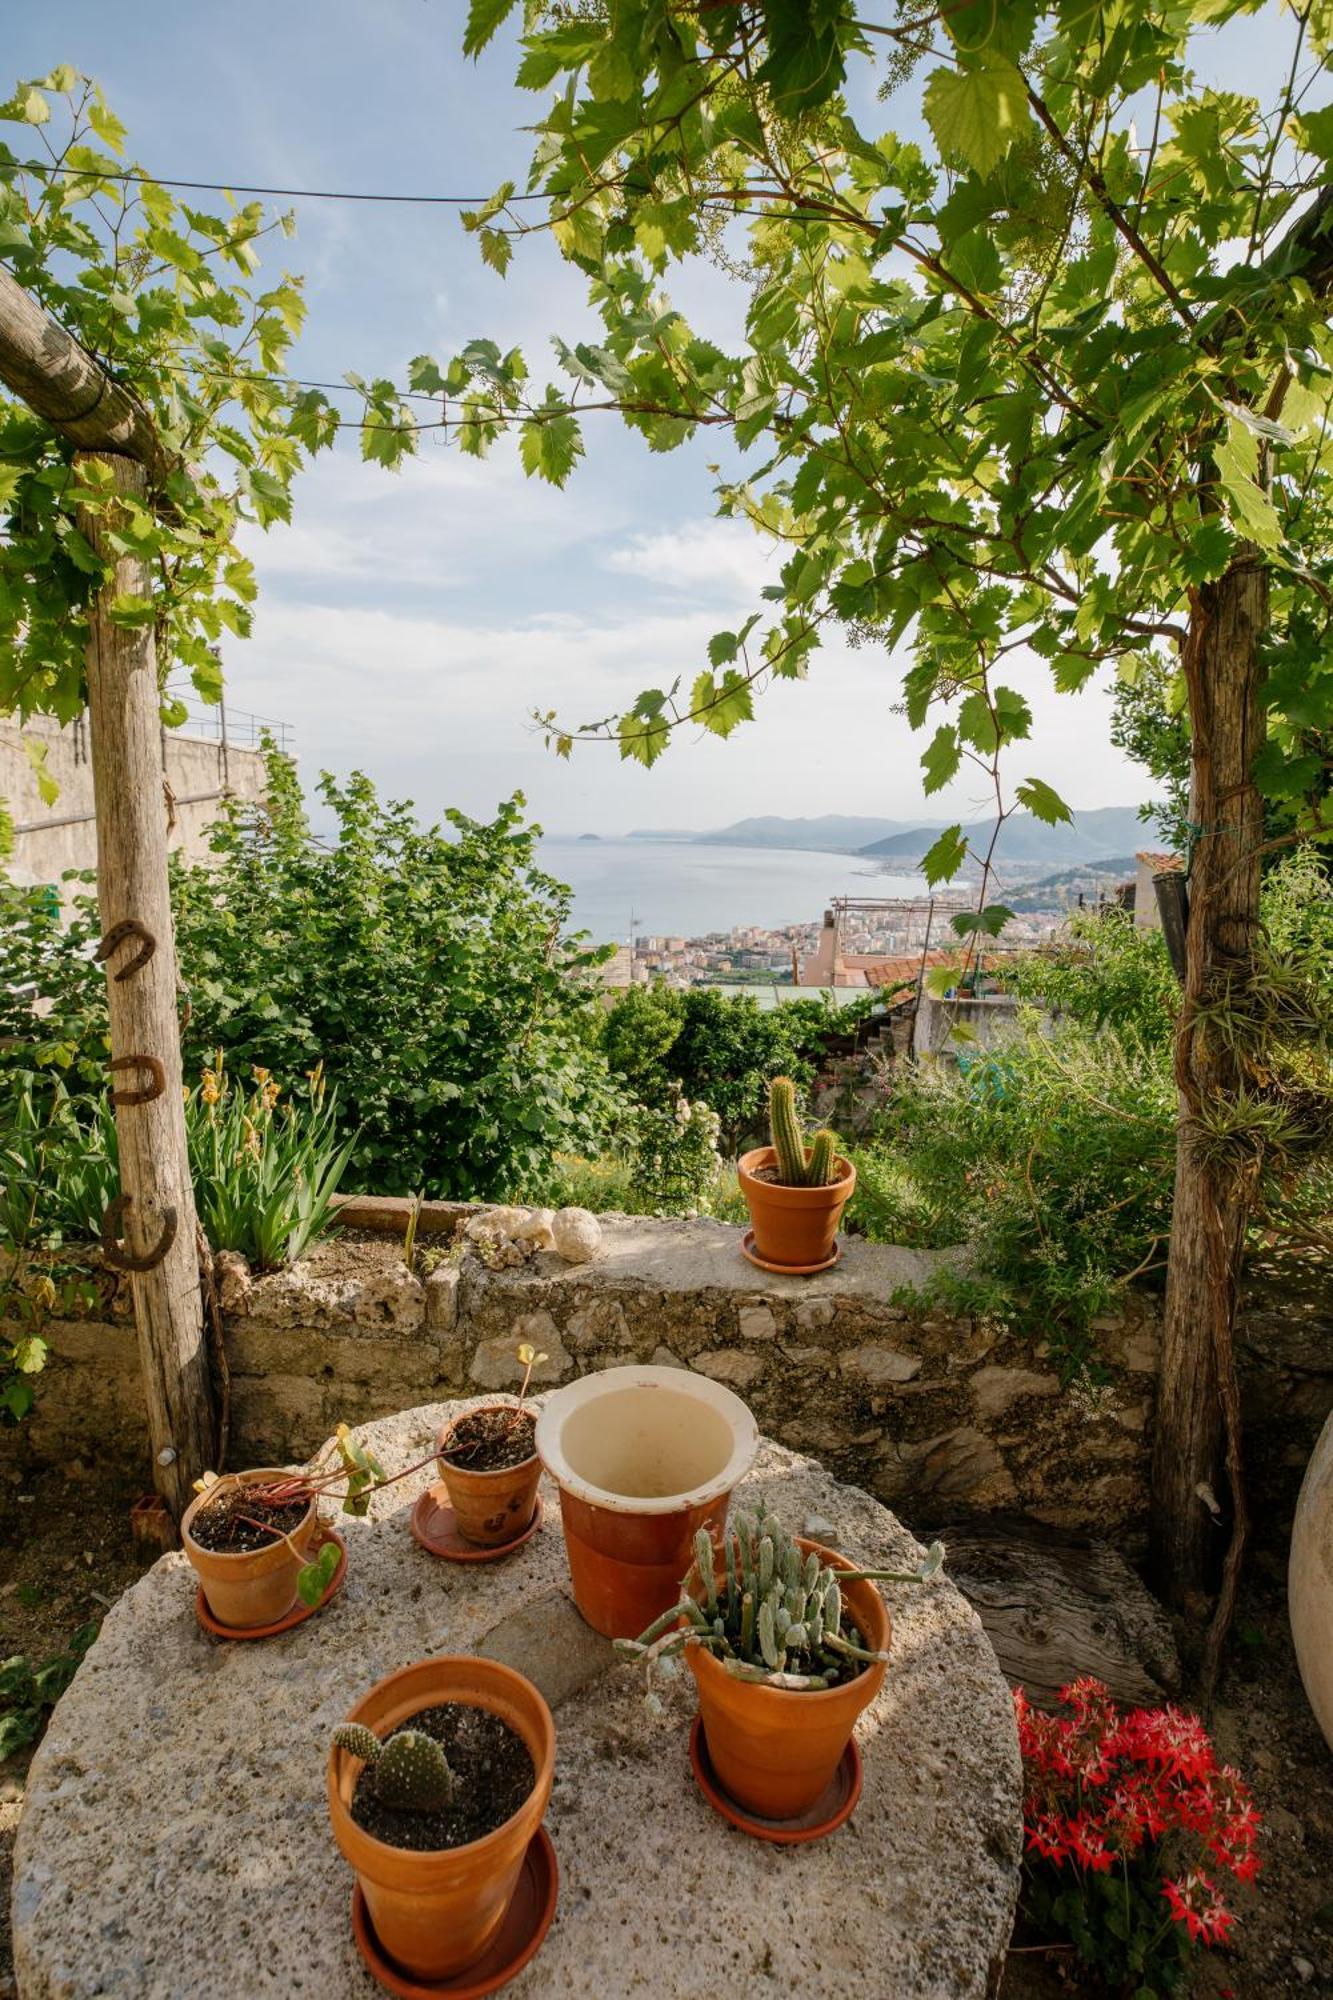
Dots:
pixel 798 1166
pixel 411 1771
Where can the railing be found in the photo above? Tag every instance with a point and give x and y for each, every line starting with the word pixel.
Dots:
pixel 239 728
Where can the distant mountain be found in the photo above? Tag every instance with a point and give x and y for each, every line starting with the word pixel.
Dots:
pixel 1091 879
pixel 832 833
pixel 1102 834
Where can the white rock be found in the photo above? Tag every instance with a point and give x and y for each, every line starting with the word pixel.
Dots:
pixel 495 1222
pixel 577 1235
pixel 537 1228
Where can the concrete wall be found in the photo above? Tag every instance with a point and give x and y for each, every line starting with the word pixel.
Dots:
pixel 990 1022
pixel 64 835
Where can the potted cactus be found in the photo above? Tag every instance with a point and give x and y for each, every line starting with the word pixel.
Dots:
pixel 438 1783
pixel 795 1192
pixel 787 1642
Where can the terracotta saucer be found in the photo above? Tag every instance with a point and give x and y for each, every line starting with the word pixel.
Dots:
pixel 435 1527
pixel 296 1616
pixel 525 1926
pixel 749 1252
pixel 830 1810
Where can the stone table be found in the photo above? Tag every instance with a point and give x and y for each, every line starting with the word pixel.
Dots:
pixel 175 1841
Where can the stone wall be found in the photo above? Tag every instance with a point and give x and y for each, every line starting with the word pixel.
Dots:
pixel 939 1416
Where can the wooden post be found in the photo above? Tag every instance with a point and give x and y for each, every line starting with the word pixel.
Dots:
pixel 132 883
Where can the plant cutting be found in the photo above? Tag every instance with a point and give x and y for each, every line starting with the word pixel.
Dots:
pixel 795 1191
pixel 644 1457
pixel 787 1642
pixel 251 1536
pixel 437 1787
pixel 1134 1834
pixel 488 1461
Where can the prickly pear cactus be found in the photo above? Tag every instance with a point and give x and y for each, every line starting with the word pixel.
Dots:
pixel 411 1770
pixel 358 1741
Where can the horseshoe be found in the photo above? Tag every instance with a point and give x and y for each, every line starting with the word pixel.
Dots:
pixel 121 1260
pixel 117 935
pixel 155 1070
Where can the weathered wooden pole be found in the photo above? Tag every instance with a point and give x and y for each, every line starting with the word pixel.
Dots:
pixel 155 1214
pixel 67 386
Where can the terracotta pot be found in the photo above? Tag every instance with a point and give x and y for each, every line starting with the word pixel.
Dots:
pixel 490 1507
pixel 793 1225
pixel 436 1913
pixel 643 1457
pixel 776 1750
pixel 258 1588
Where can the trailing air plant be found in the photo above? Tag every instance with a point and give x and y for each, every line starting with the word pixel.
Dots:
pixel 410 1771
pixel 774 1615
pixel 798 1165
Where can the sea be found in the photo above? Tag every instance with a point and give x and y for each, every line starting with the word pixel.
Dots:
pixel 687 889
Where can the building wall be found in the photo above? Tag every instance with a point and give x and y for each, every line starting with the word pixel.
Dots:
pixel 63 835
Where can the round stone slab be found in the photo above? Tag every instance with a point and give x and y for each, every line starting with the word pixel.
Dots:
pixel 175 1841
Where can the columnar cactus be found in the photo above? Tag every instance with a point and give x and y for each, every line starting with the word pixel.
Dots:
pixel 785 1129
pixel 410 1770
pixel 797 1166
pixel 776 1614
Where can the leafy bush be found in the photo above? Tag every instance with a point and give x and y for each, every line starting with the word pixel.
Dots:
pixel 1108 972
pixel 1130 1824
pixel 27 1693
pixel 39 1136
pixel 676 1164
pixel 720 1047
pixel 1051 1158
pixel 429 974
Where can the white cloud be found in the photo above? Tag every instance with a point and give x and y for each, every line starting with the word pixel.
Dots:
pixel 438 708
pixel 717 559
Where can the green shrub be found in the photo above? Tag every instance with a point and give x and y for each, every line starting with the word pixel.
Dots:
pixel 428 970
pixel 720 1047
pixel 676 1164
pixel 1051 1159
pixel 429 973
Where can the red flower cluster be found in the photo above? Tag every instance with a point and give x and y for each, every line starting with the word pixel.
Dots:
pixel 1141 1789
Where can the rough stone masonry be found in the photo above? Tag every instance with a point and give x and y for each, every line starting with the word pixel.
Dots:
pixel 939 1416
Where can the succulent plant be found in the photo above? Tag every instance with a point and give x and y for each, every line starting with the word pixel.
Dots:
pixel 776 1615
pixel 798 1165
pixel 410 1770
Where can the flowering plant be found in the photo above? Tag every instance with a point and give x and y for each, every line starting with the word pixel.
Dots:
pixel 676 1159
pixel 1132 1829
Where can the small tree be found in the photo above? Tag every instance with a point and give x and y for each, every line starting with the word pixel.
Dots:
pixel 1057 381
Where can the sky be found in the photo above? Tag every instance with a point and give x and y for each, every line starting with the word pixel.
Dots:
pixel 409 623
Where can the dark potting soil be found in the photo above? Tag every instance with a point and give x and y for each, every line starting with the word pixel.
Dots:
pixel 228 1526
pixel 492 1440
pixel 494 1771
